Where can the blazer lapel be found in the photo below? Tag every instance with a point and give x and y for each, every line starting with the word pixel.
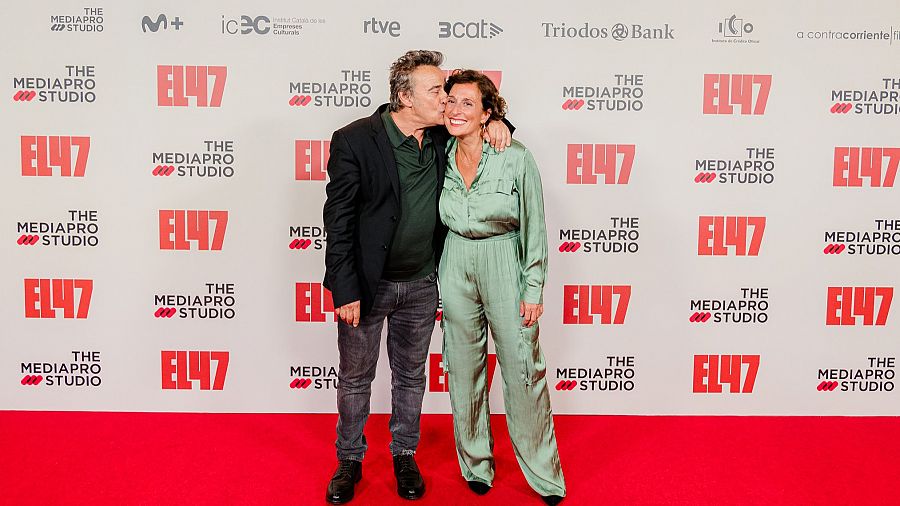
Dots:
pixel 387 151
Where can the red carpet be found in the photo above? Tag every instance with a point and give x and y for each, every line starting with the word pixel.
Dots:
pixel 141 458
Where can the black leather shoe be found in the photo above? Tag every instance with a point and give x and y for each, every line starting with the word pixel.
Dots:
pixel 479 487
pixel 410 484
pixel 552 500
pixel 347 475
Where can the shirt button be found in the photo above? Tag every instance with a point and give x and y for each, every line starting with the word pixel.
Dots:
pixel 384 247
pixel 393 218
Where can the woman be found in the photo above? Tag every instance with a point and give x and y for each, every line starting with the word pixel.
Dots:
pixel 492 276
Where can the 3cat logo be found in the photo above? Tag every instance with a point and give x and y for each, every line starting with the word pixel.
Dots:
pixel 44 297
pixel 712 372
pixel 181 369
pixel 584 162
pixel 311 160
pixel 719 233
pixel 496 76
pixel 181 229
pixel 847 303
pixel 736 93
pixel 582 302
pixel 175 84
pixel 438 380
pixel 44 154
pixel 878 166
pixel 313 302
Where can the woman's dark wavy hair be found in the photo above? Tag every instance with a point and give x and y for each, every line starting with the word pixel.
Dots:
pixel 490 97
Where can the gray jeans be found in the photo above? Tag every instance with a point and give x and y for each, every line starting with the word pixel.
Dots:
pixel 409 307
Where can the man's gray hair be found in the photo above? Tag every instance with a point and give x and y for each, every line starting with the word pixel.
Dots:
pixel 404 67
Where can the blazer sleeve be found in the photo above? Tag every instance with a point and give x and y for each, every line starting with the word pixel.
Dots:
pixel 340 215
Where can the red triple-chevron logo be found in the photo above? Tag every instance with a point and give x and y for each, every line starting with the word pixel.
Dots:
pixel 705 177
pixel 834 249
pixel 163 170
pixel 841 108
pixel 300 244
pixel 28 240
pixel 302 384
pixel 566 385
pixel 827 386
pixel 569 247
pixel 24 96
pixel 300 100
pixel 32 380
pixel 572 104
pixel 165 312
pixel 698 317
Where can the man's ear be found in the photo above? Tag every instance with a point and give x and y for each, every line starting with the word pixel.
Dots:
pixel 406 98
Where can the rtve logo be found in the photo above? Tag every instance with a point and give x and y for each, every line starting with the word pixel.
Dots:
pixel 851 165
pixel 176 83
pixel 42 154
pixel 180 369
pixel 178 228
pixel 313 302
pixel 717 233
pixel 584 162
pixel 722 92
pixel 43 297
pixel 311 159
pixel 846 303
pixel 437 373
pixel 582 302
pixel 711 372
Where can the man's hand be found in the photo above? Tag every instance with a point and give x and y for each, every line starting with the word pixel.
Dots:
pixel 498 135
pixel 349 313
pixel 530 313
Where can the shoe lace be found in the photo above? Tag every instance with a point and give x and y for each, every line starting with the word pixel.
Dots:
pixel 345 468
pixel 406 464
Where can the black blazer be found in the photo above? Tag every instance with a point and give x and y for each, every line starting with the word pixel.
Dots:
pixel 362 208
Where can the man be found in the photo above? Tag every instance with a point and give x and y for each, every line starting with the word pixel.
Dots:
pixel 384 240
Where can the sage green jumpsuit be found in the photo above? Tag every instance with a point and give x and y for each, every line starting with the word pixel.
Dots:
pixel 496 256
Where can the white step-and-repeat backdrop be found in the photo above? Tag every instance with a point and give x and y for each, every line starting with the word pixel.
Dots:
pixel 719 183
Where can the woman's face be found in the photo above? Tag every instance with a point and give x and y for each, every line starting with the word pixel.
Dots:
pixel 463 114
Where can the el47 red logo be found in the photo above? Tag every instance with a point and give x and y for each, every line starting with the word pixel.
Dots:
pixel 851 165
pixel 313 302
pixel 180 369
pixel 722 92
pixel 717 233
pixel 43 297
pixel 846 303
pixel 175 83
pixel 584 162
pixel 42 154
pixel 711 372
pixel 177 228
pixel 582 302
pixel 311 160
pixel 438 380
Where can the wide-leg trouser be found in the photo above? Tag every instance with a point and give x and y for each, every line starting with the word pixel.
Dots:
pixel 480 288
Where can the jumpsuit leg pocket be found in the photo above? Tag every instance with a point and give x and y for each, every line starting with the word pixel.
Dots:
pixel 533 368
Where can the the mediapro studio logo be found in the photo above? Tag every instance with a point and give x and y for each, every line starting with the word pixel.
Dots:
pixel 160 22
pixel 884 240
pixel 876 375
pixel 81 370
pixel 625 94
pixel 755 167
pixel 616 31
pixel 90 19
pixel 881 100
pixel 481 29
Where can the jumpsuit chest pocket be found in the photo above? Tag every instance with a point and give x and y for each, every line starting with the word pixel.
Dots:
pixel 496 200
pixel 450 204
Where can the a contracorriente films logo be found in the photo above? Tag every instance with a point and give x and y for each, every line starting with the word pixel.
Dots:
pixel 48 155
pixel 608 164
pixel 311 159
pixel 730 235
pixel 273 26
pixel 89 20
pixel 187 85
pixel 313 303
pixel 313 377
pixel 716 374
pixel 750 308
pixel 307 238
pixel 876 375
pixel 478 29
pixel 438 372
pixel 352 89
pixel 181 229
pixel 885 35
pixel 215 301
pixel 214 160
pixel 622 237
pixel 82 370
pixel 617 374
pixel 77 85
pixel 735 30
pixel 47 298
pixel 189 370
pixel 624 94
pixel 77 228
pixel 600 304
pixel 161 22
pixel 884 240
pixel 858 305
pixel 755 167
pixel 882 100
pixel 865 167
pixel 742 94
pixel 616 31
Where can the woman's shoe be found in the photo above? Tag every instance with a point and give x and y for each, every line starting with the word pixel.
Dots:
pixel 479 487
